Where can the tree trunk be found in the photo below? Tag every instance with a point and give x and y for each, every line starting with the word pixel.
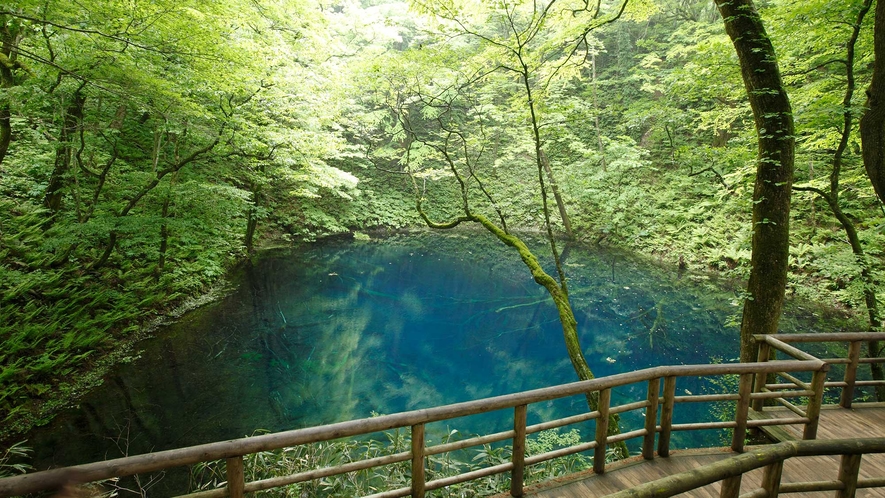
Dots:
pixel 164 227
pixel 774 171
pixel 164 238
pixel 5 128
pixel 252 214
pixel 174 168
pixel 872 123
pixel 869 290
pixel 560 203
pixel 566 317
pixel 109 249
pixel 164 241
pixel 251 225
pixel 10 36
pixel 64 152
pixel 596 113
pixel 866 275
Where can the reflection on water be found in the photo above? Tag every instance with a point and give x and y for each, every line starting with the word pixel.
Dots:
pixel 343 329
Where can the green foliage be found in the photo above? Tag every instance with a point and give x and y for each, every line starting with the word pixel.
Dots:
pixel 723 410
pixel 202 126
pixel 147 141
pixel 9 460
pixel 292 460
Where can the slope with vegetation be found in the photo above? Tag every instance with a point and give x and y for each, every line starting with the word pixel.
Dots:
pixel 145 148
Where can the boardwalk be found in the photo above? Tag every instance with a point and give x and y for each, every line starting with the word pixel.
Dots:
pixel 653 397
pixel 836 423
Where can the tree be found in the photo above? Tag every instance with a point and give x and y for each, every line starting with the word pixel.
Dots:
pixel 872 123
pixel 12 31
pixel 774 170
pixel 832 196
pixel 451 141
pixel 517 53
pixel 134 130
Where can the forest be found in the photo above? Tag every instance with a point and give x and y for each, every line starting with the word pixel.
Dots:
pixel 147 148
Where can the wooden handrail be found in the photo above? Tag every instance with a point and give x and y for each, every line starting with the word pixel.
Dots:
pixel 753 390
pixel 830 337
pixel 152 462
pixel 731 469
pixel 854 339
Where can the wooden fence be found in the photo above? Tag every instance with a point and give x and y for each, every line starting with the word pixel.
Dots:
pixel 658 420
pixel 855 340
pixel 772 457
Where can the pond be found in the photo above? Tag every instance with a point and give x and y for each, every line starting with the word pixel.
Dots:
pixel 345 329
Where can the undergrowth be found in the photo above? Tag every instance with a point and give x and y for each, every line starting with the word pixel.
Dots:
pixel 289 461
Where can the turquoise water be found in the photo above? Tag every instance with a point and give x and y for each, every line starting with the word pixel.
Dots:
pixel 344 329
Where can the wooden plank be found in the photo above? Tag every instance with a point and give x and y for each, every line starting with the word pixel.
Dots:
pixel 667 416
pixel 601 431
pixel 651 418
pixel 850 374
pixel 808 473
pixel 863 420
pixel 518 456
pixel 775 432
pixel 741 412
pixel 418 478
pixel 236 480
pixel 848 475
pixel 627 474
pixel 814 404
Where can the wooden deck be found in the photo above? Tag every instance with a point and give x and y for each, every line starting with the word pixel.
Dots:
pixel 864 420
pixel 656 395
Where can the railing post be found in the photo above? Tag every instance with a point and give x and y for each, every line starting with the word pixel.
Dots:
pixel 850 374
pixel 731 487
pixel 761 379
pixel 236 477
pixel 813 411
pixel 771 478
pixel 667 416
pixel 848 470
pixel 745 388
pixel 651 418
pixel 605 396
pixel 517 475
pixel 418 461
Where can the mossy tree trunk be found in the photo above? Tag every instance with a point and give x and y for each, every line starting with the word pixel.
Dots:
pixel 71 121
pixel 774 170
pixel 516 51
pixel 559 293
pixel 11 33
pixel 557 289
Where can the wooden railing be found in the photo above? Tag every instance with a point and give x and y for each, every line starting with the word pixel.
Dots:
pixel 772 457
pixel 655 403
pixel 659 404
pixel 855 340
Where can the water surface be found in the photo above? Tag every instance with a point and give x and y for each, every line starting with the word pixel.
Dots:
pixel 346 329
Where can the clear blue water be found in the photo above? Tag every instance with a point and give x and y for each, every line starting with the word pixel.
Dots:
pixel 343 329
